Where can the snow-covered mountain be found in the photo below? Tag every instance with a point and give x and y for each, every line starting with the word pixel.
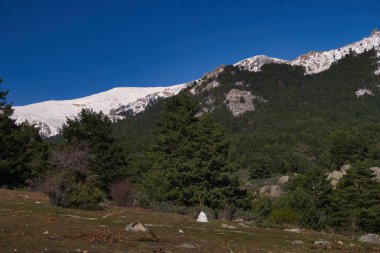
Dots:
pixel 118 102
pixel 254 63
pixel 51 115
pixel 315 62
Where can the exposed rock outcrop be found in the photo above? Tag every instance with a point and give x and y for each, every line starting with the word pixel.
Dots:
pixel 283 180
pixel 207 81
pixel 376 171
pixel 239 101
pixel 273 191
pixel 336 175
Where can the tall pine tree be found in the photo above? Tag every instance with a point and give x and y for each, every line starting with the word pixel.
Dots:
pixel 23 154
pixel 356 201
pixel 108 160
pixel 191 159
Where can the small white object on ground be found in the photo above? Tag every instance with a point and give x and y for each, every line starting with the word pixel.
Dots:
pixel 223 225
pixel 188 245
pixel 243 225
pixel 321 242
pixel 46 233
pixel 181 231
pixel 136 227
pixel 293 230
pixel 202 217
pixel 297 242
pixel 370 238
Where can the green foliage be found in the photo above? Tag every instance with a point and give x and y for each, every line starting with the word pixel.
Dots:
pixel 108 160
pixel 83 196
pixel 346 147
pixel 23 153
pixel 299 124
pixel 190 160
pixel 356 201
pixel 284 216
pixel 313 182
pixel 301 120
pixel 262 207
pixel 90 126
pixel 108 163
pixel 309 124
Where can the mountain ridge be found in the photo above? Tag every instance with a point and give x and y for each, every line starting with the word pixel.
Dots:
pixel 116 102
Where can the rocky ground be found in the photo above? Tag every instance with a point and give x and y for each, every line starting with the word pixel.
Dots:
pixel 29 223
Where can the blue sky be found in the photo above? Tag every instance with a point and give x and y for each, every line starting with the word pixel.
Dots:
pixel 67 49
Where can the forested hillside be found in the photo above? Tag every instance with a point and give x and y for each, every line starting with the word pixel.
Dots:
pixel 298 121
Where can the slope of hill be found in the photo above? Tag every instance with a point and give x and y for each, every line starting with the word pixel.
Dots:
pixel 29 223
pixel 280 120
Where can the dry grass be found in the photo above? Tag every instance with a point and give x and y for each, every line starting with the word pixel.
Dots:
pixel 25 217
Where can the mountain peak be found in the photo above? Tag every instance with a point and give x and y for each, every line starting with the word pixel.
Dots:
pixel 374 31
pixel 254 63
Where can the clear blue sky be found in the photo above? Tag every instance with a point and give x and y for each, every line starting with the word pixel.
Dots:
pixel 58 49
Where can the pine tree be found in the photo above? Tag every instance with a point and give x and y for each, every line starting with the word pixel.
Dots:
pixel 191 160
pixel 23 154
pixel 356 201
pixel 108 160
pixel 309 194
pixel 90 126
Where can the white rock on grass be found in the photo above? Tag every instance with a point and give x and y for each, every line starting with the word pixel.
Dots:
pixel 370 238
pixel 223 225
pixel 293 230
pixel 188 245
pixel 321 242
pixel 202 217
pixel 136 227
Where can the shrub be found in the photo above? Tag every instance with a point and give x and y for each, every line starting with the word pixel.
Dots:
pixel 83 196
pixel 246 215
pixel 284 216
pixel 122 193
pixel 57 185
pixel 262 207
